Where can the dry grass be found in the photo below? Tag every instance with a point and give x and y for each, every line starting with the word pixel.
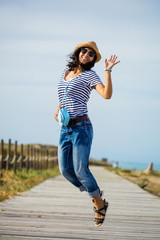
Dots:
pixel 14 184
pixel 149 182
pixel 99 163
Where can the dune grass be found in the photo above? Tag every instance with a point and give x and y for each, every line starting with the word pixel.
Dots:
pixel 149 182
pixel 14 184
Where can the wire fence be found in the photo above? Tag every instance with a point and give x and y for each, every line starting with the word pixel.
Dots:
pixel 18 157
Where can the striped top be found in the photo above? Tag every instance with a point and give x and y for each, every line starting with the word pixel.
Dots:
pixel 78 92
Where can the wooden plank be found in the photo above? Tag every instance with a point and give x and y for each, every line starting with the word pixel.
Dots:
pixel 56 210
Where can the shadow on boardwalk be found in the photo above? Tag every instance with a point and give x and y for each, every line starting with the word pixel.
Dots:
pixel 56 210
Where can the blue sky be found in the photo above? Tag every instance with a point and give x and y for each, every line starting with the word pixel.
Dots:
pixel 35 38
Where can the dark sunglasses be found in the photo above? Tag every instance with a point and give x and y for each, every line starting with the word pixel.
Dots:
pixel 91 54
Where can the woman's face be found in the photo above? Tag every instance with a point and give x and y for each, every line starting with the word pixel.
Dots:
pixel 86 55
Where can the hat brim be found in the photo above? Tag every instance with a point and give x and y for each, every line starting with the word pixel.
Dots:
pixel 89 46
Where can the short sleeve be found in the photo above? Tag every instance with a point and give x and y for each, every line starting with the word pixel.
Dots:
pixel 63 73
pixel 94 79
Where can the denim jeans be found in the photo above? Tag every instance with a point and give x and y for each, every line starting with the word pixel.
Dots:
pixel 73 156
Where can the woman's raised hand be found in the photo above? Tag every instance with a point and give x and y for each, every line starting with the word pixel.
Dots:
pixel 111 62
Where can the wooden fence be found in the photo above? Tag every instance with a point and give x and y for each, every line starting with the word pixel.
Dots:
pixel 17 157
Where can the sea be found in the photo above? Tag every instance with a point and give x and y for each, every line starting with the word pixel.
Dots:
pixel 138 166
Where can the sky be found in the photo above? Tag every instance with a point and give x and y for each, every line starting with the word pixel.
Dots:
pixel 36 37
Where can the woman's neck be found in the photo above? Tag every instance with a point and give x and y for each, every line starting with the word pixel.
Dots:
pixel 78 70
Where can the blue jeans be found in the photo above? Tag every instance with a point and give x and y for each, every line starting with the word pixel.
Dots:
pixel 73 156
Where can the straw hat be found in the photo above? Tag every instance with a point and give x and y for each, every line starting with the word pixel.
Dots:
pixel 91 45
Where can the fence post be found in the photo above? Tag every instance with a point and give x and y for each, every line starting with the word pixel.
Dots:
pixel 37 158
pixel 47 159
pixel 15 157
pixel 1 158
pixel 27 159
pixel 55 162
pixel 41 159
pixel 52 162
pixel 33 154
pixel 8 155
pixel 21 158
pixel 31 158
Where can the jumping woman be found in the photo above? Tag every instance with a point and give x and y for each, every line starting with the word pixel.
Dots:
pixel 76 137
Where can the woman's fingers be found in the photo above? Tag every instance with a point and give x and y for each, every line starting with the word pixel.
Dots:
pixel 114 57
pixel 56 117
pixel 105 63
pixel 116 62
pixel 111 62
pixel 105 60
pixel 110 58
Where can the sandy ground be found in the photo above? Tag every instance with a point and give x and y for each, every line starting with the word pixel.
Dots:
pixel 149 182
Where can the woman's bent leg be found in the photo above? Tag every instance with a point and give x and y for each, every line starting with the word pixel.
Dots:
pixel 65 160
pixel 82 140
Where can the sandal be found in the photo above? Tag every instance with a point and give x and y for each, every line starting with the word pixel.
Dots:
pixel 99 221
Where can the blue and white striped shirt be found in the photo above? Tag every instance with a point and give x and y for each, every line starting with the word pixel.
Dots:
pixel 78 92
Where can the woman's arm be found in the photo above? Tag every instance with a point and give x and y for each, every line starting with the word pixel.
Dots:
pixel 106 90
pixel 56 113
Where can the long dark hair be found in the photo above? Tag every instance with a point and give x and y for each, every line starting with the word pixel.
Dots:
pixel 73 62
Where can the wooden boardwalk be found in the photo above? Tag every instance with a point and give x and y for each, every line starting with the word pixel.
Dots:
pixel 56 210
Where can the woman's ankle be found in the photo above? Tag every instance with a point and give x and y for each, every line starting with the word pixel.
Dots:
pixel 97 200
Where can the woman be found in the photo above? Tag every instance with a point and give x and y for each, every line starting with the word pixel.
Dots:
pixel 74 88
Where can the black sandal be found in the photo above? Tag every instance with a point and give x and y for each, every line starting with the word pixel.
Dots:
pixel 100 220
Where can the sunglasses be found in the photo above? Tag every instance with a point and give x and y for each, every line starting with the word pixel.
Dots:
pixel 90 53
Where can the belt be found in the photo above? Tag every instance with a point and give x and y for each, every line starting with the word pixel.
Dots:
pixel 72 122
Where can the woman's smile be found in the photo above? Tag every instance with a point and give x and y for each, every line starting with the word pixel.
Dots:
pixel 85 57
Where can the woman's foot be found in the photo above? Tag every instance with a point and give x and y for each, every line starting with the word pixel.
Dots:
pixel 100 208
pixel 101 214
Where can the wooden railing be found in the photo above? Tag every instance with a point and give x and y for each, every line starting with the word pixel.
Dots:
pixel 18 157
